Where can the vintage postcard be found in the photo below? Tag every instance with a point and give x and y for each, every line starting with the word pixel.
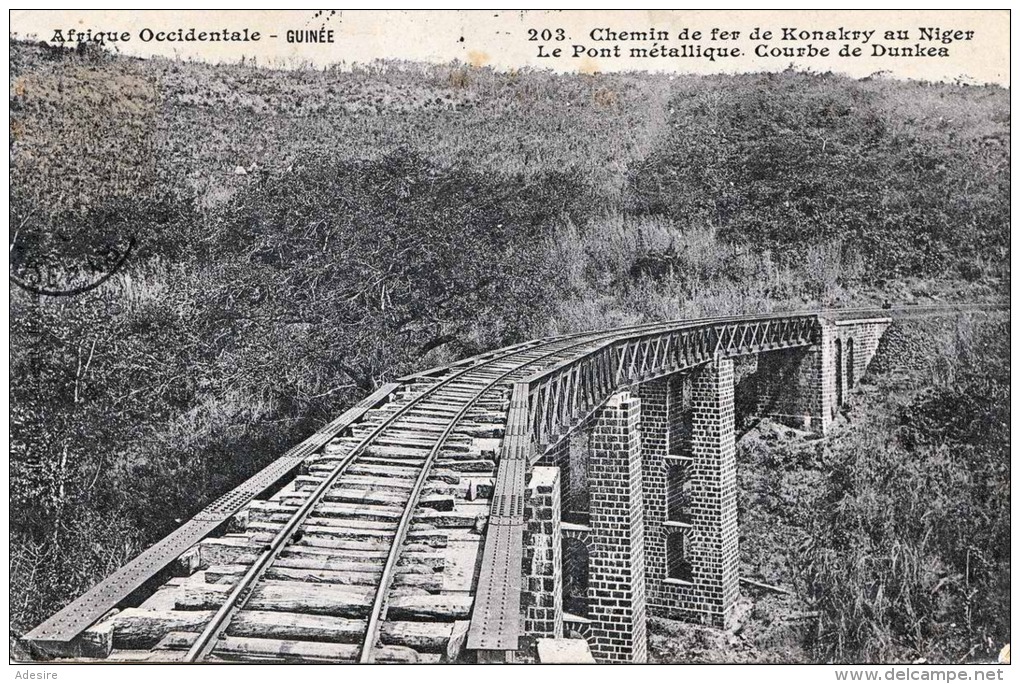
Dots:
pixel 510 336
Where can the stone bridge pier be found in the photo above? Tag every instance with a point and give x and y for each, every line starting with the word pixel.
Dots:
pixel 635 512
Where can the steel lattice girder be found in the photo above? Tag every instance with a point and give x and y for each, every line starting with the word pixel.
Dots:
pixel 565 395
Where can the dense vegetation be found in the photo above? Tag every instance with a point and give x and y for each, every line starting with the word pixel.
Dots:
pixel 895 531
pixel 302 236
pixel 910 556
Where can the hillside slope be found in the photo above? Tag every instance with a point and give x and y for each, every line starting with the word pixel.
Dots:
pixel 300 237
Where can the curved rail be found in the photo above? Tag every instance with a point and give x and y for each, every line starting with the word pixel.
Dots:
pixel 494 625
pixel 236 600
pixel 383 588
pixel 58 633
pixel 71 621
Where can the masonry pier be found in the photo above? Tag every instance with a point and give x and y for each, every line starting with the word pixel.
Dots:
pixel 645 509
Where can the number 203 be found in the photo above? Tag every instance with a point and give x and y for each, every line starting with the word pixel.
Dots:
pixel 547 34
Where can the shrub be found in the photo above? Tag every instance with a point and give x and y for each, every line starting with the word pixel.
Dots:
pixel 908 553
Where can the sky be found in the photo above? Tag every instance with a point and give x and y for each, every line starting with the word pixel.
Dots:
pixel 972 46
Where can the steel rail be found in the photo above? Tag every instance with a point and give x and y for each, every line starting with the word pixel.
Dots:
pixel 60 629
pixel 242 591
pixel 907 309
pixel 697 323
pixel 393 557
pixel 494 626
pixel 239 596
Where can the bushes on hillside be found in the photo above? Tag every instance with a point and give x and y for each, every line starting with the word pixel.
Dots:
pixel 393 217
pixel 142 400
pixel 908 553
pixel 787 161
pixel 368 267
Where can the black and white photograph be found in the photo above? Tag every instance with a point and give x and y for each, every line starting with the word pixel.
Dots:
pixel 573 337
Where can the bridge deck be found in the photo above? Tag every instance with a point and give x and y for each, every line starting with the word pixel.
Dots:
pixel 383 510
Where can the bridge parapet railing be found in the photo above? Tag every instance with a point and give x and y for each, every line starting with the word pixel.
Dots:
pixel 546 406
pixel 567 394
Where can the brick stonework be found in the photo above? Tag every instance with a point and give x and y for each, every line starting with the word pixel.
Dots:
pixel 859 342
pixel 542 596
pixel 797 387
pixel 803 387
pixel 710 540
pixel 714 550
pixel 616 592
pixel 655 444
pixel 615 477
pixel 665 428
pixel 558 456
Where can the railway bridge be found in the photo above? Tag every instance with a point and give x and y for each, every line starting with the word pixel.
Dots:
pixel 563 487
